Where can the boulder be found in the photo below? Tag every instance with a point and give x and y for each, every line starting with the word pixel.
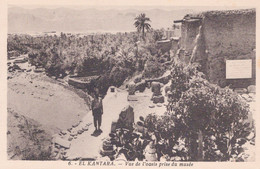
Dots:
pixel 38 70
pixel 138 79
pixel 126 117
pixel 156 88
pixel 246 97
pixel 16 67
pixel 132 98
pixel 131 88
pixel 158 99
pixel 167 89
pixel 109 152
pixel 64 132
pixel 163 79
pixel 240 90
pixel 148 84
pixel 252 95
pixel 159 105
pixel 150 152
pixel 140 128
pixel 75 125
pixel 70 138
pixel 80 131
pixel 20 61
pixel 73 133
pixel 85 128
pixel 140 86
pixel 151 106
pixel 251 89
pixel 113 126
pixel 62 142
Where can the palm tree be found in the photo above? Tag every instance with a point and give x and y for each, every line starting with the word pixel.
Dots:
pixel 141 23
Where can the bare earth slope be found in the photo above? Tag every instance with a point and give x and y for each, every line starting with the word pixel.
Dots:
pixel 27 139
pixel 44 100
pixel 38 107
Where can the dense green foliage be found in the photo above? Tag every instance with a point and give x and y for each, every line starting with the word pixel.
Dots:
pixel 202 122
pixel 113 56
pixel 218 115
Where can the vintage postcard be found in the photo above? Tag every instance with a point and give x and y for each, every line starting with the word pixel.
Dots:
pixel 129 84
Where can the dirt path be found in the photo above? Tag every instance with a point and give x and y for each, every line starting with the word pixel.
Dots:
pixel 87 146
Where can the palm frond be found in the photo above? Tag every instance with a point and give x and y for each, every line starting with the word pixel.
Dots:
pixel 147 26
pixel 141 22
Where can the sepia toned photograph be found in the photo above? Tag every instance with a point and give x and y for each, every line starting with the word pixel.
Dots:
pixel 131 83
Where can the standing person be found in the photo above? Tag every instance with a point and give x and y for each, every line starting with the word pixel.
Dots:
pixel 97 110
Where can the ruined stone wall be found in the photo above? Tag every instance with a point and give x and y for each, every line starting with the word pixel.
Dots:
pixel 229 35
pixel 175 45
pixel 164 45
pixel 226 35
pixel 189 31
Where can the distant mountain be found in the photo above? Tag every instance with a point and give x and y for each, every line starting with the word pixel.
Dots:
pixel 72 20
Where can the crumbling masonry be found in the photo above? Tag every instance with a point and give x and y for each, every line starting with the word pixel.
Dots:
pixel 210 38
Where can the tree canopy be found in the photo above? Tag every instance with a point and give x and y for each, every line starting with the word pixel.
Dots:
pixel 141 23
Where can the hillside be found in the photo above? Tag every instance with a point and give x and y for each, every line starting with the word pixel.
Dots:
pixel 43 99
pixel 71 20
pixel 34 141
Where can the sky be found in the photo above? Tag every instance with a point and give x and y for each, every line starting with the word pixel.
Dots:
pixel 101 7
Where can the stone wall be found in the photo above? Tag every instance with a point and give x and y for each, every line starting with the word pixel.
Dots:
pixel 190 29
pixel 220 36
pixel 83 82
pixel 164 45
pixel 175 44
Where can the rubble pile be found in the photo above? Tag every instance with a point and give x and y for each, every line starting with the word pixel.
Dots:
pixel 248 94
pixel 61 142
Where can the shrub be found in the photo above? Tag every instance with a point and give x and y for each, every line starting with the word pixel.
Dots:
pixel 153 68
pixel 204 111
pixel 203 121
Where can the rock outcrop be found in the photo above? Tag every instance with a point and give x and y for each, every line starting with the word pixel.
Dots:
pixel 156 88
pixel 131 88
pixel 126 117
pixel 157 96
pixel 140 86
